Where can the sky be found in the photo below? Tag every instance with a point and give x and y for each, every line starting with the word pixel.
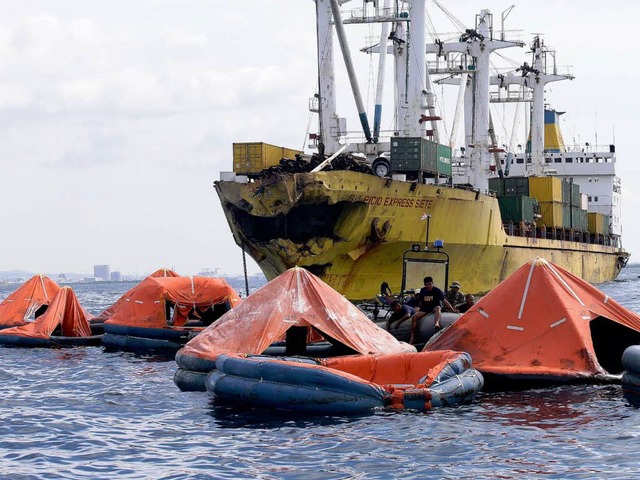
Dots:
pixel 116 117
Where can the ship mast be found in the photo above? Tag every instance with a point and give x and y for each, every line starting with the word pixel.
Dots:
pixel 414 95
pixel 479 44
pixel 534 77
pixel 326 98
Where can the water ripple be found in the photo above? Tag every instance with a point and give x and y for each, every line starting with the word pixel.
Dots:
pixel 85 413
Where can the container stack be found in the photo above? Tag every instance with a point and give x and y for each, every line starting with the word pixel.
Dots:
pixel 547 202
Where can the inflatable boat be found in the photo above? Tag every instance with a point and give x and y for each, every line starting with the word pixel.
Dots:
pixel 297 344
pixel 64 324
pixel 346 385
pixel 426 327
pixel 164 313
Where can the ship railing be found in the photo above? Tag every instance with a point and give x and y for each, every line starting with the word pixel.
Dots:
pixel 380 15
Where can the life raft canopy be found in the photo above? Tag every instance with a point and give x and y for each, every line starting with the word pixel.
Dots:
pixel 28 301
pixel 65 319
pixel 296 298
pixel 543 324
pixel 146 305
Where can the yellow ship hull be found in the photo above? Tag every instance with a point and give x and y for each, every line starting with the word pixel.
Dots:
pixel 352 230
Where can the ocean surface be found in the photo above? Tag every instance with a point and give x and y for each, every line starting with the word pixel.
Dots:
pixel 86 413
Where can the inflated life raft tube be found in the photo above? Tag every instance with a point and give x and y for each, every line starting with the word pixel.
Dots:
pixel 307 387
pixel 51 342
pixel 176 334
pixel 426 327
pixel 190 381
pixel 123 337
pixel 187 379
pixel 138 344
pixel 631 375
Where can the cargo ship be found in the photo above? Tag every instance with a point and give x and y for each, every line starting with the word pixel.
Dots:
pixel 350 211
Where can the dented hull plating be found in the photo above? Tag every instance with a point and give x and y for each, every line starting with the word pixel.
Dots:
pixel 352 229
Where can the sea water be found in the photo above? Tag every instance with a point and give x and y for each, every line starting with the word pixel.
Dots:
pixel 87 413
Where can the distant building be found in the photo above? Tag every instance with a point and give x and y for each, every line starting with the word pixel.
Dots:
pixel 102 273
pixel 116 276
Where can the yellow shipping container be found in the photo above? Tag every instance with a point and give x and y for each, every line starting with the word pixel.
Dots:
pixel 551 214
pixel 546 189
pixel 597 223
pixel 253 157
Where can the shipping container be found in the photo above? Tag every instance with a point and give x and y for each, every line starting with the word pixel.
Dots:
pixel 566 215
pixel 575 195
pixel 518 208
pixel 598 223
pixel 578 219
pixel 552 214
pixel 546 189
pixel 444 160
pixel 584 201
pixel 566 192
pixel 253 157
pixel 416 154
pixel 496 185
pixel 516 186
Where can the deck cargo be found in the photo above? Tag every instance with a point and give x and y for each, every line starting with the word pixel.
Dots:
pixel 253 157
pixel 546 189
pixel 518 209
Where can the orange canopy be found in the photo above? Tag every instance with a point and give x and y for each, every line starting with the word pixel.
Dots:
pixel 145 304
pixel 65 310
pixel 294 298
pixel 108 312
pixel 164 272
pixel 39 290
pixel 543 321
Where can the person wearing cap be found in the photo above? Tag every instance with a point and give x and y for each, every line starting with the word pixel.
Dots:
pixel 454 296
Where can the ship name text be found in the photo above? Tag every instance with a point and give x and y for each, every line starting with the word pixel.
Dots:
pixel 403 202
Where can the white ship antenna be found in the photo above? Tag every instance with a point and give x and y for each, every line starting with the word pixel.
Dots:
pixel 504 16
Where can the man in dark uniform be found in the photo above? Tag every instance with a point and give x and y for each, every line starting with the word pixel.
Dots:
pixel 400 314
pixel 431 300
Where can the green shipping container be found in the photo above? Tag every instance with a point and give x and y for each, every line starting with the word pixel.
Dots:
pixel 578 219
pixel 566 192
pixel 575 195
pixel 415 154
pixel 516 186
pixel 518 208
pixel 566 215
pixel 496 185
pixel 444 160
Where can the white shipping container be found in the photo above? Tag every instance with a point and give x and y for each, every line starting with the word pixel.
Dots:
pixel 584 201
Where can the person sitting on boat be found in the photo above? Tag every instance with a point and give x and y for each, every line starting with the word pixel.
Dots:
pixel 454 296
pixel 431 300
pixel 400 314
pixel 469 302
